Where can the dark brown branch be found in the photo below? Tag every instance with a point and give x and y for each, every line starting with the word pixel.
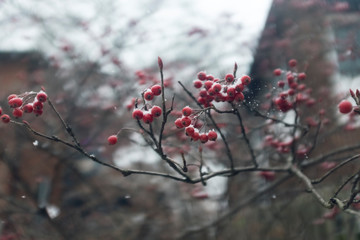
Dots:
pixel 328 155
pixel 344 184
pixel 251 150
pixel 124 172
pixel 66 126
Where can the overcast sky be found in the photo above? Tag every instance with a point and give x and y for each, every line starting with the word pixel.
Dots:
pixel 161 25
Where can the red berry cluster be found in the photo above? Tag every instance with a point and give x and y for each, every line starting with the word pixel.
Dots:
pixel 192 130
pixel 228 89
pixel 295 92
pixel 22 104
pixel 148 114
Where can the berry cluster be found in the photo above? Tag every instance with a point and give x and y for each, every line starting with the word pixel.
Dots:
pixel 148 114
pixel 296 92
pixel 228 89
pixel 192 130
pixel 32 102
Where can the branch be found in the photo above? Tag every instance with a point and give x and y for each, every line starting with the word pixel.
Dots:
pixel 310 187
pixel 66 126
pixel 228 214
pixel 124 172
pixel 251 150
pixel 228 151
pixel 316 181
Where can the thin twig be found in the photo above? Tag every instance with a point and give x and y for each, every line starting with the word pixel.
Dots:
pixel 259 114
pixel 316 181
pixel 66 126
pixel 344 184
pixel 124 172
pixel 251 150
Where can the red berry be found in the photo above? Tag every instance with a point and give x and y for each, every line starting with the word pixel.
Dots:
pixel 201 76
pixel 239 87
pixel 301 76
pixel 281 84
pixel 156 90
pixel 0 110
pixel 112 140
pixel 197 84
pixel 185 121
pixel 190 130
pixel 201 100
pixel 301 87
pixel 291 92
pixel 212 135
pixel 149 95
pixel 231 92
pixel 38 105
pixel 5 118
pixel 178 123
pixel 293 85
pixel 41 97
pixel 148 118
pixel 290 78
pixel 216 88
pixel 203 93
pixel 195 136
pixel 283 95
pixel 156 111
pixel 239 97
pixel 277 72
pixel 17 112
pixel 229 78
pixel 204 138
pixel 283 104
pixel 11 96
pixel 210 77
pixel 292 63
pixel 345 106
pixel 186 111
pixel 28 108
pixel 137 114
pixel 211 92
pixel 208 84
pixel 245 80
pixel 15 102
pixel 38 112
